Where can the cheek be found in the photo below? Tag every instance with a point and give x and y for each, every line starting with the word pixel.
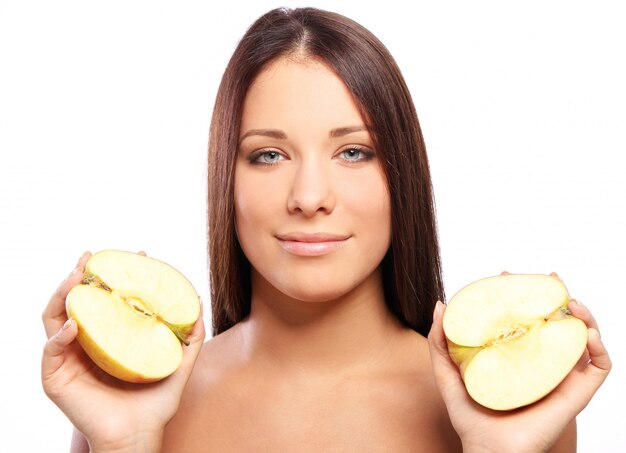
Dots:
pixel 245 213
pixel 367 197
pixel 256 204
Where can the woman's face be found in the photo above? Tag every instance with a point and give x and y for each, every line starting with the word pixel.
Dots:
pixel 311 200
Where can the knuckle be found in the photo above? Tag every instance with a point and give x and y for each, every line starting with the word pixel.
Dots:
pixel 51 390
pixel 48 347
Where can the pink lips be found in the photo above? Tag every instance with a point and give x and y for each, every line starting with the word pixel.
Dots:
pixel 311 244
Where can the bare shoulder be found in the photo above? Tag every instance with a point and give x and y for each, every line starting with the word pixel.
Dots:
pixel 218 363
pixel 420 391
pixel 201 406
pixel 218 356
pixel 233 404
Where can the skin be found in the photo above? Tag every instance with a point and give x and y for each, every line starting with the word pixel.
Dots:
pixel 319 353
pixel 320 364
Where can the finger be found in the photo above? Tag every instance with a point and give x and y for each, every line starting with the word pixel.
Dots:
pixel 446 372
pixel 599 360
pixel 54 315
pixel 583 361
pixel 141 252
pixel 505 273
pixel 555 275
pixel 436 336
pixel 54 351
pixel 579 387
pixel 582 312
pixel 191 352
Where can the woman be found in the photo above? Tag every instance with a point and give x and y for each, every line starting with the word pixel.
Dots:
pixel 324 276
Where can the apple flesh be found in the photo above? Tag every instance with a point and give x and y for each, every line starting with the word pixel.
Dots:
pixel 513 338
pixel 132 313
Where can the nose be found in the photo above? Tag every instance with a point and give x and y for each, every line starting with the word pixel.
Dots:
pixel 311 189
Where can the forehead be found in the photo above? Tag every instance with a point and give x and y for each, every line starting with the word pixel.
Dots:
pixel 291 92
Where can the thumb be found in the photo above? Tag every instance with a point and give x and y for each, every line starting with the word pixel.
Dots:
pixel 54 350
pixel 446 372
pixel 191 352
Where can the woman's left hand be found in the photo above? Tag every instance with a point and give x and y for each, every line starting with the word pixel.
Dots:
pixel 532 428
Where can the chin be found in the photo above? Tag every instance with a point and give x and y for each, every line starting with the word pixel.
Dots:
pixel 312 291
pixel 314 296
pixel 310 286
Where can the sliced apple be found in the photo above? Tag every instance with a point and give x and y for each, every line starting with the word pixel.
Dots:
pixel 132 313
pixel 513 338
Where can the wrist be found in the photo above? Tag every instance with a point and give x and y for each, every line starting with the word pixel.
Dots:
pixel 140 442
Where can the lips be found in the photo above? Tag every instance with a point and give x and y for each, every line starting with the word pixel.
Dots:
pixel 311 244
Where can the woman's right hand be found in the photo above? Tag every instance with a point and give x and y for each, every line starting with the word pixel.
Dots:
pixel 112 415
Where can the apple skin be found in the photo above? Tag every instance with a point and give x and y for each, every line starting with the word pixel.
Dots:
pixel 110 366
pixel 462 355
pixel 526 344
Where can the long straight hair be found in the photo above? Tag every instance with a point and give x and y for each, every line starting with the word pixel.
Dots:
pixel 411 268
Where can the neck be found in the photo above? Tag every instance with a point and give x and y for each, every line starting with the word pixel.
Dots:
pixel 352 331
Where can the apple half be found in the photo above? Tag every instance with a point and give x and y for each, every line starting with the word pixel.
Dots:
pixel 132 313
pixel 513 338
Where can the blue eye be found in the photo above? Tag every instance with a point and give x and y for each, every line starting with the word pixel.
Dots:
pixel 266 158
pixel 352 154
pixel 355 154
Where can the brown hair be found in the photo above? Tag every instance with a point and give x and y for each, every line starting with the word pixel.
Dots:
pixel 411 268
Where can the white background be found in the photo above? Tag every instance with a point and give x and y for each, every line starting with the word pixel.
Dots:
pixel 104 115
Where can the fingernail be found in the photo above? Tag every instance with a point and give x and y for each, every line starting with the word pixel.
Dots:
pixel 438 309
pixel 577 302
pixel 81 258
pixel 67 324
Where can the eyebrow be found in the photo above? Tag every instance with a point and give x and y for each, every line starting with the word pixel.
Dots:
pixel 278 134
